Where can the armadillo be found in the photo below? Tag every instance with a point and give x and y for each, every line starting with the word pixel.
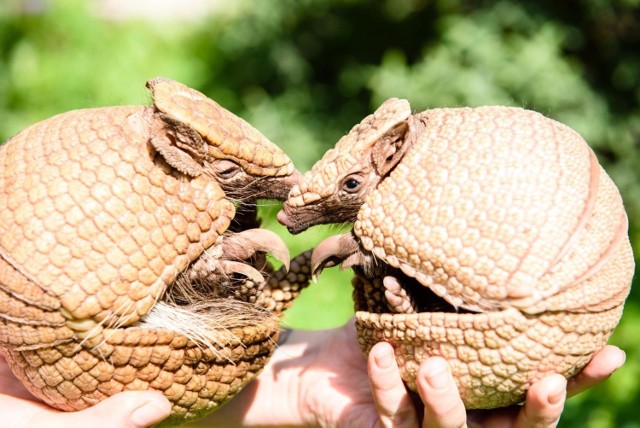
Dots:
pixel 490 236
pixel 102 213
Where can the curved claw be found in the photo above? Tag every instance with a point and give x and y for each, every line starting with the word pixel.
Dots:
pixel 354 259
pixel 229 266
pixel 245 244
pixel 333 251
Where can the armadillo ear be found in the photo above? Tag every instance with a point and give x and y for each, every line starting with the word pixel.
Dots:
pixel 179 146
pixel 390 148
pixel 175 157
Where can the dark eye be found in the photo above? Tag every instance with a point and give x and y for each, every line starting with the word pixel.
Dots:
pixel 226 169
pixel 351 185
pixel 228 173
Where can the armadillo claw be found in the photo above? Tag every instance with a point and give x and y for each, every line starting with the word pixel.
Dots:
pixel 245 244
pixel 331 252
pixel 229 267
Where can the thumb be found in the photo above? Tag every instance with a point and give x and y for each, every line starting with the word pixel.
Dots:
pixel 129 409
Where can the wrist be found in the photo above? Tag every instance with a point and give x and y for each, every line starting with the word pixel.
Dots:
pixel 273 398
pixel 295 373
pixel 280 384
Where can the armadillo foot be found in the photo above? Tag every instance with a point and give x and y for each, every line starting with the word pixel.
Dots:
pixel 398 300
pixel 333 251
pixel 239 253
pixel 244 245
pixel 229 267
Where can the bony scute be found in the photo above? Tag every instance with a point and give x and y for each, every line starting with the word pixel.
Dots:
pixel 493 231
pixel 130 260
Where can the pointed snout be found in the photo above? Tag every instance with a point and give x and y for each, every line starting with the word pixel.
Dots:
pixel 290 219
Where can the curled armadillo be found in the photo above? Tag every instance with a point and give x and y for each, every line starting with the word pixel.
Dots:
pixel 490 236
pixel 103 213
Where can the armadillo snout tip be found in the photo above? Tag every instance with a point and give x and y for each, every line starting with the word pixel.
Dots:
pixel 282 217
pixel 291 220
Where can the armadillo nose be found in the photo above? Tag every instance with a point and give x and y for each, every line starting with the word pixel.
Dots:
pixel 282 217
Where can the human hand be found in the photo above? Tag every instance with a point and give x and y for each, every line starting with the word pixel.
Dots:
pixel 443 406
pixel 322 378
pixel 131 409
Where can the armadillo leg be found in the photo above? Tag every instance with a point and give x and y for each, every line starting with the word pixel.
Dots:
pixel 398 300
pixel 368 291
pixel 283 286
pixel 238 253
pixel 274 294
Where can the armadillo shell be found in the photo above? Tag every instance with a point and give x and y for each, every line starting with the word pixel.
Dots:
pixel 93 228
pixel 71 375
pixel 494 357
pixel 194 379
pixel 506 213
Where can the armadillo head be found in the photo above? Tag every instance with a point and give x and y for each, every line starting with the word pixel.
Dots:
pixel 201 137
pixel 335 188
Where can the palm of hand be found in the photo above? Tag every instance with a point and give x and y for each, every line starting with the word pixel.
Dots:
pixel 335 386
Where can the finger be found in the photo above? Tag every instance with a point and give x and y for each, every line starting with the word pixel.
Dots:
pixel 393 404
pixel 130 409
pixel 494 418
pixel 443 406
pixel 544 403
pixel 602 365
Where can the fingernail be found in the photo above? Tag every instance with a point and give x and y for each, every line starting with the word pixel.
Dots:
pixel 150 413
pixel 561 389
pixel 438 374
pixel 383 359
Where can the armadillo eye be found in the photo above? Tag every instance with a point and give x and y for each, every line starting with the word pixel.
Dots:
pixel 228 173
pixel 226 169
pixel 351 185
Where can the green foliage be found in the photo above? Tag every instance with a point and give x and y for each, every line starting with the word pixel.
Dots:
pixel 304 72
pixel 66 59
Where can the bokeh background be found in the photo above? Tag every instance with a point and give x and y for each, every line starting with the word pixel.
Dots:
pixel 305 71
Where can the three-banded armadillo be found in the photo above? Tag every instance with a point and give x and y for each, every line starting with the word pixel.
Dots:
pixel 490 236
pixel 101 212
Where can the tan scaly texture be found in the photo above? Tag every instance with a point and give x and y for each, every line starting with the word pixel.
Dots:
pixel 95 227
pixel 501 212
